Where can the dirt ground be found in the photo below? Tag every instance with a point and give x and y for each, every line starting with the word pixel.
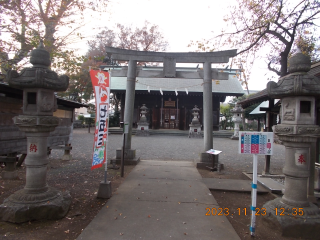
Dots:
pixel 85 205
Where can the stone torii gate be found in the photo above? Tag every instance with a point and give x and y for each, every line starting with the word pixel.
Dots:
pixel 169 60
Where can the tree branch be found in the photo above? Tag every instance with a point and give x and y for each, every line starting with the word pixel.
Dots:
pixel 273 69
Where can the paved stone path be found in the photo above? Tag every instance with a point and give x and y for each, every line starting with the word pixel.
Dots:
pixel 160 200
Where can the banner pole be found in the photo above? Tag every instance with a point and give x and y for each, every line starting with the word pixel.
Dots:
pixel 254 194
pixel 106 153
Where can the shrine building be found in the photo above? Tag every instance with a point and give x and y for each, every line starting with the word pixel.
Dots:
pixel 170 100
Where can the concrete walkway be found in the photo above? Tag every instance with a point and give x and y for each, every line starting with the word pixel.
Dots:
pixel 160 200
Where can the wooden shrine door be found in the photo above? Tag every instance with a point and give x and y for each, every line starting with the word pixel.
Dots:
pixel 170 118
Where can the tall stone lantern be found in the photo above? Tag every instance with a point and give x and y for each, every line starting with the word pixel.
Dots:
pixel 143 124
pixel 37 200
pixel 237 112
pixel 296 216
pixel 195 126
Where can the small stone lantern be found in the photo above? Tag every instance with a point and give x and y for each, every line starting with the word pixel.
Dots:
pixel 143 124
pixel 298 90
pixel 37 200
pixel 195 126
pixel 237 112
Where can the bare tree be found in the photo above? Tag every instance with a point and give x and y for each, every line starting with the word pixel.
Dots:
pixel 56 22
pixel 277 25
pixel 146 38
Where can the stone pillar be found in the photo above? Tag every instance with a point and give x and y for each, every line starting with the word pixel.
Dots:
pixel 293 213
pixel 129 103
pixel 207 106
pixel 207 115
pixel 130 154
pixel 37 200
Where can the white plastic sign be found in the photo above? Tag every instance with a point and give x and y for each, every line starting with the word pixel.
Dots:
pixel 260 143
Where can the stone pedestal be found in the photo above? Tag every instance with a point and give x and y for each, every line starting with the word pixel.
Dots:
pixel 104 190
pixel 205 160
pixel 37 200
pixel 129 157
pixel 294 214
pixel 67 155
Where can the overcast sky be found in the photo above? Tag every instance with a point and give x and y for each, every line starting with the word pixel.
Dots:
pixel 181 21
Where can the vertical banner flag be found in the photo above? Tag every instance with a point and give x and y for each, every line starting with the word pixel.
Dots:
pixel 101 86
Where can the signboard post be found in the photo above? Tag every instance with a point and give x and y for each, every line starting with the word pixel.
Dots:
pixel 256 143
pixel 215 163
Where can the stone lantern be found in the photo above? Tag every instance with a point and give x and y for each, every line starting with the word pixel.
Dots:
pixel 237 112
pixel 195 126
pixel 298 90
pixel 37 200
pixel 143 124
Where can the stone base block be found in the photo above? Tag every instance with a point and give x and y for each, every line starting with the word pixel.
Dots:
pixel 128 153
pixel 234 138
pixel 293 221
pixel 9 175
pixel 20 207
pixel 143 133
pixel 207 159
pixel 104 190
pixel 67 157
pixel 195 135
pixel 134 161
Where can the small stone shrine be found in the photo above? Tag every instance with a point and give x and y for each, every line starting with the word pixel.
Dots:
pixel 195 126
pixel 293 213
pixel 37 200
pixel 237 112
pixel 143 124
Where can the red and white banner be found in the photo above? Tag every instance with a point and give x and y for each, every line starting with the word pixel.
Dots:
pixel 101 85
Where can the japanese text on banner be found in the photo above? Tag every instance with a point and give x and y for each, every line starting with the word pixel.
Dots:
pixel 101 85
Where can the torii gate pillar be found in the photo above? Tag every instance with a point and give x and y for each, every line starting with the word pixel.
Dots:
pixel 207 114
pixel 129 107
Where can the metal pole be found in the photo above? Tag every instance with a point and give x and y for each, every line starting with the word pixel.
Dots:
pixel 106 153
pixel 161 125
pixel 254 194
pixel 122 157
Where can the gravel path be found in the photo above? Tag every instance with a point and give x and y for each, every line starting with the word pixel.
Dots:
pixel 161 147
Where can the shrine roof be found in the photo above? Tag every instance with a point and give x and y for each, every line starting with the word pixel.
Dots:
pixel 231 87
pixel 263 94
pixel 9 91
